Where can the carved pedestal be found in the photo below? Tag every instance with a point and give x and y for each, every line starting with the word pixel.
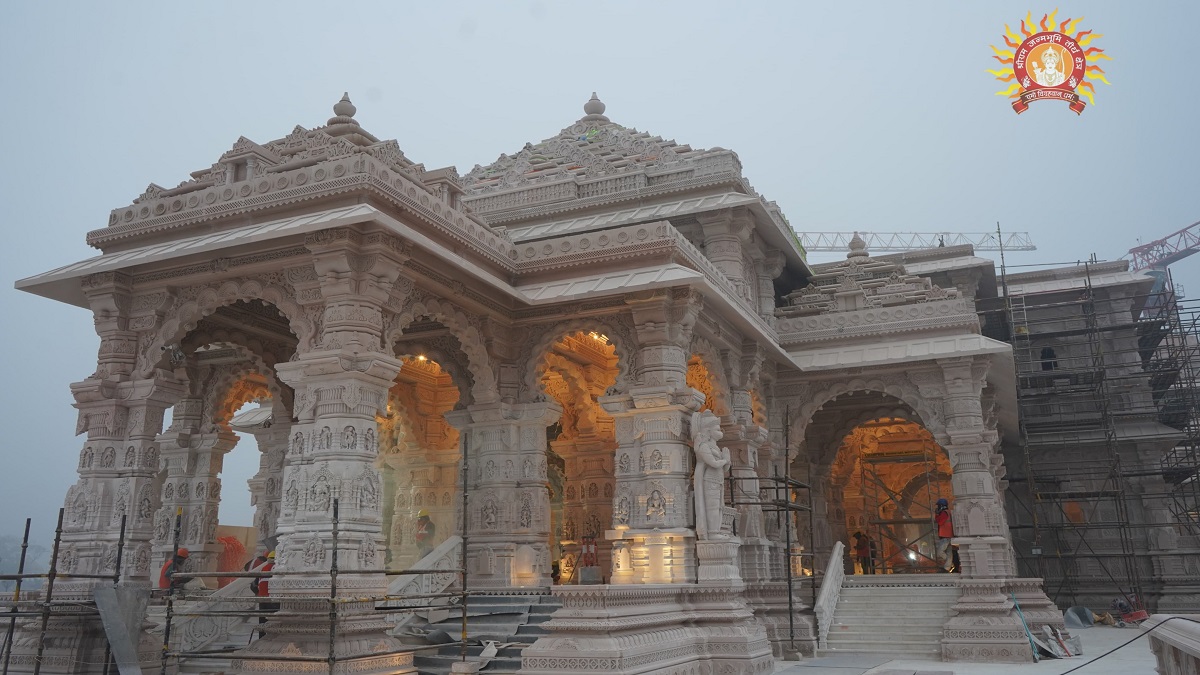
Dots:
pixel 669 629
pixel 986 625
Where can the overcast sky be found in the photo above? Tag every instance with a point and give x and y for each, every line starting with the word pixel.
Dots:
pixel 873 116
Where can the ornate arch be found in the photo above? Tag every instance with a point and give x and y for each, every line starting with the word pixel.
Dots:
pixel 577 387
pixel 897 387
pixel 712 361
pixel 483 387
pixel 451 362
pixel 221 398
pixel 624 345
pixel 183 318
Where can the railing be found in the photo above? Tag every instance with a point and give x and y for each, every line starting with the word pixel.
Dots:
pixel 831 588
pixel 419 587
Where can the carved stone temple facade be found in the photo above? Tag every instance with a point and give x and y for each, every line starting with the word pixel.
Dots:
pixel 556 318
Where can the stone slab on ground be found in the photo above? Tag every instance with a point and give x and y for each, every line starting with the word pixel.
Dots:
pixel 1097 642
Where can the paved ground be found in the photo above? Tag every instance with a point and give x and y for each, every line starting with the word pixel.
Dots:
pixel 1135 659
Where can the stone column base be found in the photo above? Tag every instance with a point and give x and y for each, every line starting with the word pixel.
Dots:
pixel 672 629
pixel 769 601
pixel 987 625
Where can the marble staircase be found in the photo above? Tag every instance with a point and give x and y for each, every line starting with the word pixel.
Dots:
pixel 893 613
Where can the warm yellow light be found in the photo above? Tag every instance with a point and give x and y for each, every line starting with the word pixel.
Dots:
pixel 421 357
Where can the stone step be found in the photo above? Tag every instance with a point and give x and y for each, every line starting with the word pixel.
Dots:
pixel 871 632
pixel 931 591
pixel 885 623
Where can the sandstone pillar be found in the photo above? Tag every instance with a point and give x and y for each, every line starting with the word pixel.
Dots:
pixel 341 387
pixel 985 625
pixel 508 506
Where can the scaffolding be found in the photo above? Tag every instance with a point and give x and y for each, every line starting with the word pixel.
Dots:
pixel 182 602
pixel 901 527
pixel 788 499
pixel 1096 377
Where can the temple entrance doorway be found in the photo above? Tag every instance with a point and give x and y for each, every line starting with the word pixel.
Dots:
pixel 892 474
pixel 876 470
pixel 575 371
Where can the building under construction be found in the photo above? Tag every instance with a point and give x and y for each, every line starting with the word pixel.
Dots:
pixel 1103 494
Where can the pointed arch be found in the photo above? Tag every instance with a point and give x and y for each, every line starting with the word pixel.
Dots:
pixel 483 377
pixel 619 336
pixel 183 318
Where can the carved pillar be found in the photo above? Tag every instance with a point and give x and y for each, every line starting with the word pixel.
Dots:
pixel 341 387
pixel 978 509
pixel 985 625
pixel 768 269
pixel 266 487
pixel 743 439
pixel 724 233
pixel 118 470
pixel 653 539
pixel 193 451
pixel 508 507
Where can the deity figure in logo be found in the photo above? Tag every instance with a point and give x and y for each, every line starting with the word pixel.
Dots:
pixel 1050 72
pixel 711 462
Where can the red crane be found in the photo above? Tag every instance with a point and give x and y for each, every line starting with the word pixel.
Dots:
pixel 1171 248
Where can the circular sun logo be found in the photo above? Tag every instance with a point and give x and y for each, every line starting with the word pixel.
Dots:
pixel 1050 63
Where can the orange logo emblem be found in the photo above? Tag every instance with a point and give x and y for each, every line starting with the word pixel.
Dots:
pixel 1049 61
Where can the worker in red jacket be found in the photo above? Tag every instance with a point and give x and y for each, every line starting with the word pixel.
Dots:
pixel 945 535
pixel 166 576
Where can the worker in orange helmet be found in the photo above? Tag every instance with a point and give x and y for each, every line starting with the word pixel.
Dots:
pixel 166 576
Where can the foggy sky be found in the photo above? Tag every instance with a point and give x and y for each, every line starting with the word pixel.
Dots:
pixel 876 116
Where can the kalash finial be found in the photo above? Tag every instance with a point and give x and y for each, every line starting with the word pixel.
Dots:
pixel 594 109
pixel 343 111
pixel 858 248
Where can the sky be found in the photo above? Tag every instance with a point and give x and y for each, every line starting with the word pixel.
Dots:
pixel 872 116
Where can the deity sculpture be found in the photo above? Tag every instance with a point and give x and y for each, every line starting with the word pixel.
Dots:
pixel 711 462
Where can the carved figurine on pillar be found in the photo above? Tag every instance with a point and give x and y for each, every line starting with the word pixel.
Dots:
pixel 711 464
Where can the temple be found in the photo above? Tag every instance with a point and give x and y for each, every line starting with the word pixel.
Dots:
pixel 604 370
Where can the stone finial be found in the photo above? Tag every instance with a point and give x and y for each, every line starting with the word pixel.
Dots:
pixel 594 109
pixel 344 108
pixel 594 106
pixel 858 248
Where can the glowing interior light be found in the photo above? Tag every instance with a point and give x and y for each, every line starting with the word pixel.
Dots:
pixel 421 357
pixel 912 555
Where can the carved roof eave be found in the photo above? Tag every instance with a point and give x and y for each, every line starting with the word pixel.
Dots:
pixel 64 284
pixel 897 352
pixel 179 209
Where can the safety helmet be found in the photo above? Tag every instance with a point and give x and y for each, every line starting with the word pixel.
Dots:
pixel 271 555
pixel 943 502
pixel 422 513
pixel 182 553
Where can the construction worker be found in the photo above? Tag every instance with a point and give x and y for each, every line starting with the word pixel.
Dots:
pixel 425 534
pixel 261 587
pixel 862 550
pixel 166 576
pixel 945 534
